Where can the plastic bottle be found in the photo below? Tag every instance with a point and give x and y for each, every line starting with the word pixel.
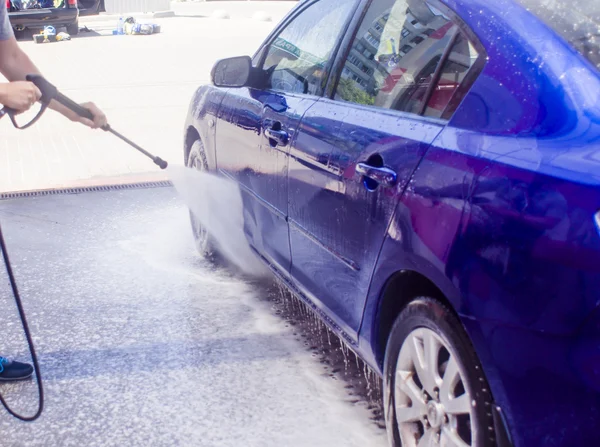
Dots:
pixel 121 26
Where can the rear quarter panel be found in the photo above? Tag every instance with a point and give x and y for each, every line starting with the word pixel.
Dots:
pixel 500 216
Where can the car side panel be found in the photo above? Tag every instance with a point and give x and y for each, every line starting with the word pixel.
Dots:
pixel 260 167
pixel 202 118
pixel 420 235
pixel 337 224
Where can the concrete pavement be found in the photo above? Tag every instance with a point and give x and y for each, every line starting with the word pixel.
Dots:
pixel 143 83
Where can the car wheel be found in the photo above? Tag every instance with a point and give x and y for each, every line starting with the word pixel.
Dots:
pixel 197 160
pixel 73 29
pixel 435 392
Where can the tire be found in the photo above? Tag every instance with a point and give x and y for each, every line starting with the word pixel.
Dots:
pixel 73 29
pixel 454 405
pixel 196 159
pixel 20 34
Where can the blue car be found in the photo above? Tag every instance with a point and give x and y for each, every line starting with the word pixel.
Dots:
pixel 425 174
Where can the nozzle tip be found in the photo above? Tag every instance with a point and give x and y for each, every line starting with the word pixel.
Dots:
pixel 161 163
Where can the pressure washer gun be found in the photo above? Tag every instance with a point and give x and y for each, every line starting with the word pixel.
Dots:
pixel 50 92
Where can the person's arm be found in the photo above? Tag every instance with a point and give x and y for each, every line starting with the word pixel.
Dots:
pixel 15 65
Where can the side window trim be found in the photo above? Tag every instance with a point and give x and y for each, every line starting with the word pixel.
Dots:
pixel 438 73
pixel 473 73
pixel 262 52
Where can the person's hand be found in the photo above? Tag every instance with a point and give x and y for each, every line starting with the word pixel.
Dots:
pixel 19 95
pixel 99 117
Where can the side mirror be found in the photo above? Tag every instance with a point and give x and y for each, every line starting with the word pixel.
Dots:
pixel 232 72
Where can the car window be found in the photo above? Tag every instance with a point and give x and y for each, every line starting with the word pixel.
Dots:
pixel 395 54
pixel 296 60
pixel 577 21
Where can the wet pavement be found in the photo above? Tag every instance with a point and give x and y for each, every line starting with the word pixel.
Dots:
pixel 141 342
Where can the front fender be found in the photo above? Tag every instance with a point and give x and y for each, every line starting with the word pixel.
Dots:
pixel 202 121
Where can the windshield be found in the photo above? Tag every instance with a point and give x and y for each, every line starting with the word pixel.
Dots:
pixel 577 21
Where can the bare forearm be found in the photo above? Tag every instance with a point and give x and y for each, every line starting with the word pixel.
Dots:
pixel 15 65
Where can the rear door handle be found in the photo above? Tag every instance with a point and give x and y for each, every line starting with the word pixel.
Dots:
pixel 384 176
pixel 275 134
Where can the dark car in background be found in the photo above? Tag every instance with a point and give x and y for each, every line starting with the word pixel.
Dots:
pixel 91 7
pixel 425 174
pixel 36 15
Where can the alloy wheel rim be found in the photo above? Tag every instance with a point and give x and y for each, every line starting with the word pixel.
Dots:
pixel 432 398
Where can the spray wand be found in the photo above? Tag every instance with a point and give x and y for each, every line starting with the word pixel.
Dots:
pixel 50 92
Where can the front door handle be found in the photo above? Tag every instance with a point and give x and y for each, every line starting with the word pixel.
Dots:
pixel 281 137
pixel 276 135
pixel 383 176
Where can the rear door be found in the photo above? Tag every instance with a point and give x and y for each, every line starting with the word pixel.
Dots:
pixel 256 125
pixel 355 153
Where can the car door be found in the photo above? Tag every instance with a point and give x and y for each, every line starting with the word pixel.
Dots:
pixel 256 124
pixel 355 154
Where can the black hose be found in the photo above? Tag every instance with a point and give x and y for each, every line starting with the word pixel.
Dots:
pixel 38 376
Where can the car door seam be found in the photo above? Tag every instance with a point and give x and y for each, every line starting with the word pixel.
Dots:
pixel 388 226
pixel 260 200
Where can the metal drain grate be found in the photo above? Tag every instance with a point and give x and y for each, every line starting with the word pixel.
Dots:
pixel 83 189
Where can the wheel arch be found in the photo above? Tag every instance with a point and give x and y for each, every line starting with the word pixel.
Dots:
pixel 399 290
pixel 191 135
pixel 201 122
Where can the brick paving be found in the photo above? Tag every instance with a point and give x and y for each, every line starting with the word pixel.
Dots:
pixel 143 83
